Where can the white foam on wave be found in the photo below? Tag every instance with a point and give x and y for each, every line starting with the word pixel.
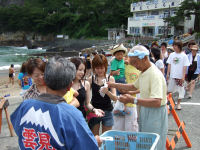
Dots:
pixel 23 47
pixel 17 54
pixel 7 67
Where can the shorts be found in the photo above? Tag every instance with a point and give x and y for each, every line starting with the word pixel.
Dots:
pixel 192 77
pixel 172 87
pixel 10 75
pixel 127 122
pixel 106 120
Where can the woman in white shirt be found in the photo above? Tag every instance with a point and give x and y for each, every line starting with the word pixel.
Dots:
pixel 158 60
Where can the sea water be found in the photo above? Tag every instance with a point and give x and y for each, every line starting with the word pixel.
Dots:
pixel 15 55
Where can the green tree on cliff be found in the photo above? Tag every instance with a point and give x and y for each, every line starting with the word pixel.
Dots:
pixel 77 18
pixel 185 11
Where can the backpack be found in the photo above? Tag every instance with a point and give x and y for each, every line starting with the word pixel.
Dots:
pixel 26 80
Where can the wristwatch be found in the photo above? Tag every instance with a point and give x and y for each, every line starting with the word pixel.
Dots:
pixel 135 100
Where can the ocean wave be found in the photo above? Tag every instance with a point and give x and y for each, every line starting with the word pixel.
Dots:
pixel 23 47
pixel 7 67
pixel 17 54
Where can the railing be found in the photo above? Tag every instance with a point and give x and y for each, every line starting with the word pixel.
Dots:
pixel 151 17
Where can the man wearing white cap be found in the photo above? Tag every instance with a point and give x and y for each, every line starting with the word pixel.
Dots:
pixel 153 92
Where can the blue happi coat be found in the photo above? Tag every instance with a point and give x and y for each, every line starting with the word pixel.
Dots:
pixel 48 122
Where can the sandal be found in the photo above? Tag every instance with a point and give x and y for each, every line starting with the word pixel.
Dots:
pixel 178 107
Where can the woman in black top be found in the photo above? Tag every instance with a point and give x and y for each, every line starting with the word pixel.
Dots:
pixel 193 69
pixel 83 88
pixel 99 66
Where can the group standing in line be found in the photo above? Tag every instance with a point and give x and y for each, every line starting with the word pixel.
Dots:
pixel 111 98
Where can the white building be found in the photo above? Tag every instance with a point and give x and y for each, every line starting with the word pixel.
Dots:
pixel 148 17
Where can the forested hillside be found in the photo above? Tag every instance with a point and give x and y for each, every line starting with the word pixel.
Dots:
pixel 76 18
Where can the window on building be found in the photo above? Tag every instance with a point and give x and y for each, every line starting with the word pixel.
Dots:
pixel 134 30
pixel 161 30
pixel 140 14
pixel 155 12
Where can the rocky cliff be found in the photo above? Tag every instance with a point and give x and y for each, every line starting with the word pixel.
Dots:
pixel 11 2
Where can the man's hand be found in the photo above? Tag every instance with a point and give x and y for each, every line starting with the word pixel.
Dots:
pixel 123 91
pixel 111 84
pixel 126 98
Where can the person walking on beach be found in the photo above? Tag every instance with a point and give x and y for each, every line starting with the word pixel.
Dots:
pixel 153 94
pixel 83 89
pixel 103 102
pixel 177 65
pixel 11 74
pixel 48 122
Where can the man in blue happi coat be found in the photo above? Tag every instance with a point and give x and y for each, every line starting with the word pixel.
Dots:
pixel 48 122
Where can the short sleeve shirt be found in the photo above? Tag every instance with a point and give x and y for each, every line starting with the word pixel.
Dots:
pixel 152 84
pixel 115 65
pixel 159 64
pixel 131 75
pixel 69 96
pixel 177 62
pixel 32 92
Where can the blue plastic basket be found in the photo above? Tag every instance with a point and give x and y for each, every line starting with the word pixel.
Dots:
pixel 130 140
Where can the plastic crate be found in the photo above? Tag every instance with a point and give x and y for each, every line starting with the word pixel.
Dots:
pixel 130 140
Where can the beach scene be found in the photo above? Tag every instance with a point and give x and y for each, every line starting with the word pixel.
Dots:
pixel 99 75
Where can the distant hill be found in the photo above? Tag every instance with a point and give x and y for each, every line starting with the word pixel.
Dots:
pixel 10 2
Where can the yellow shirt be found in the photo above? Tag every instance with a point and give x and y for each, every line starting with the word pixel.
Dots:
pixel 69 96
pixel 131 75
pixel 152 84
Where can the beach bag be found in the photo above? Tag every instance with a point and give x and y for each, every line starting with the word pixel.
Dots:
pixel 118 109
pixel 26 80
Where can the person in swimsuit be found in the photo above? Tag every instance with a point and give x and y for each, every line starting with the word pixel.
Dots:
pixel 11 74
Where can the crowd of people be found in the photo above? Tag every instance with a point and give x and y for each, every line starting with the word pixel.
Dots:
pixel 62 109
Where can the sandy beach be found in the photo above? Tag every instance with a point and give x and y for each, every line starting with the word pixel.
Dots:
pixel 7 142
